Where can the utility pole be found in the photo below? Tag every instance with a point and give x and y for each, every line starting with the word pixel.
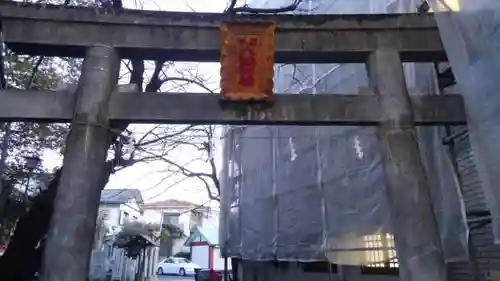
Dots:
pixel 69 241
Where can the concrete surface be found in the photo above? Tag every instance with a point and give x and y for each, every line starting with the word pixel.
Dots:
pixel 287 109
pixel 173 278
pixel 152 35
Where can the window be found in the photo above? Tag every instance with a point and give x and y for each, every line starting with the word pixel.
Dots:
pixel 172 219
pixel 381 254
pixel 104 214
pixel 447 5
pixel 124 217
pixel 180 260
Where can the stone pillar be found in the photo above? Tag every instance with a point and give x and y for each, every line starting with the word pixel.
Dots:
pixel 73 223
pixel 413 221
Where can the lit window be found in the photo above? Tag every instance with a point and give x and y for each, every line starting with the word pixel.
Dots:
pixel 380 251
pixel 446 5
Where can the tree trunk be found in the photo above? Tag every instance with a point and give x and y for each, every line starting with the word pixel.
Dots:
pixel 72 227
pixel 4 189
pixel 21 259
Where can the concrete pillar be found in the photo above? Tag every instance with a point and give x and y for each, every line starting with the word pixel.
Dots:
pixel 73 223
pixel 413 221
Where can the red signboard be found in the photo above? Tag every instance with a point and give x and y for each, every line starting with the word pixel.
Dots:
pixel 247 61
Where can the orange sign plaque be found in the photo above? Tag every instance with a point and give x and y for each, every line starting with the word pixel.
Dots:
pixel 247 61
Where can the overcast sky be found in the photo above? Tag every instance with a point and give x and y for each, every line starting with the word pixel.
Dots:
pixel 146 176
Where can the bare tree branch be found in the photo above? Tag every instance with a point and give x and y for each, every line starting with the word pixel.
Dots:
pixel 34 72
pixel 161 138
pixel 211 159
pixel 247 9
pixel 155 82
pixel 166 140
pixel 212 176
pixel 189 81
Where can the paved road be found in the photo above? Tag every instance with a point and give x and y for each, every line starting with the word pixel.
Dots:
pixel 174 278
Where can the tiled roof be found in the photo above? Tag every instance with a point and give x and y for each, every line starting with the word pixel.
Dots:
pixel 208 234
pixel 120 196
pixel 170 203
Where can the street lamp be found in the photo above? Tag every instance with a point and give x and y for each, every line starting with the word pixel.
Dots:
pixel 31 164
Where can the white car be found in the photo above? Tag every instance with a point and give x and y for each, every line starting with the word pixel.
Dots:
pixel 179 266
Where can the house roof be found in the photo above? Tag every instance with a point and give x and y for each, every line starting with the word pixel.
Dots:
pixel 208 234
pixel 141 239
pixel 120 196
pixel 170 203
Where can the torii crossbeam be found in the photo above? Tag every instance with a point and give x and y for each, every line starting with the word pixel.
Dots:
pixel 193 36
pixel 198 108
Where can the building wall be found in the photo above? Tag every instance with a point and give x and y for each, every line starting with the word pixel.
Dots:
pixel 166 248
pixel 132 209
pixel 185 222
pixel 178 246
pixel 180 217
pixel 485 256
pixel 183 218
pixel 263 271
pixel 116 213
pixel 337 78
pixel 152 216
pixel 113 214
pixel 111 217
pixel 329 78
pixel 211 220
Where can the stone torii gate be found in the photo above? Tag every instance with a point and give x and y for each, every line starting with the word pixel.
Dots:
pixel 102 37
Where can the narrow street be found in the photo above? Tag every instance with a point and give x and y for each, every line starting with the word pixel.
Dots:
pixel 174 278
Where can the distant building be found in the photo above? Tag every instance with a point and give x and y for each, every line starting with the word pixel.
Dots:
pixel 289 190
pixel 118 206
pixel 178 218
pixel 205 249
